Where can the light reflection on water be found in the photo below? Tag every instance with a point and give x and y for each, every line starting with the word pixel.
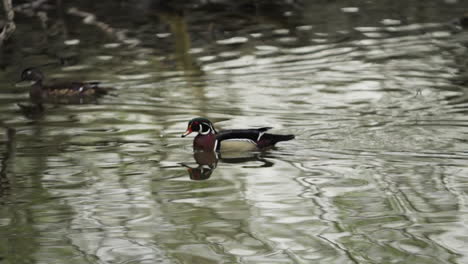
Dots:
pixel 376 173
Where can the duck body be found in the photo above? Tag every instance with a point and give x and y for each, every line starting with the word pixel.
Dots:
pixel 73 92
pixel 234 140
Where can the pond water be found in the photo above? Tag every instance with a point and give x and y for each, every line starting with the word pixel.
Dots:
pixel 375 92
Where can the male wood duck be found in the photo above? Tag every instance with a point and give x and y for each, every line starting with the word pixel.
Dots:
pixel 40 92
pixel 208 139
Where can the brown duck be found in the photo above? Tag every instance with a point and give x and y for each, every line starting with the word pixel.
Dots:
pixel 73 92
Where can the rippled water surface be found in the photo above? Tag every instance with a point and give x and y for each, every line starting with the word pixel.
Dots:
pixel 376 94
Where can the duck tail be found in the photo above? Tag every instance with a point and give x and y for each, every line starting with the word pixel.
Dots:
pixel 264 129
pixel 104 90
pixel 278 138
pixel 269 140
pixel 101 90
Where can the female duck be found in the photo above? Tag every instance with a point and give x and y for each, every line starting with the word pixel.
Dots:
pixel 40 92
pixel 208 139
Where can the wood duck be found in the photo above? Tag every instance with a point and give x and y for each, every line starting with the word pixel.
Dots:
pixel 40 92
pixel 208 139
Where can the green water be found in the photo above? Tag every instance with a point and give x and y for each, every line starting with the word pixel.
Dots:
pixel 375 92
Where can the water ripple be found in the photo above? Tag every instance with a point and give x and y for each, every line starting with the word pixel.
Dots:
pixel 376 171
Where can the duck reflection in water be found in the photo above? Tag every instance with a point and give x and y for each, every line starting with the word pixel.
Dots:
pixel 208 161
pixel 32 111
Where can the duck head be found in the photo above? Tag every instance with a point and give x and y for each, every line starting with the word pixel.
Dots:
pixel 201 125
pixel 33 75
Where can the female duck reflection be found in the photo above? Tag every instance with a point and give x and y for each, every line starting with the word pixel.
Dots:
pixel 209 141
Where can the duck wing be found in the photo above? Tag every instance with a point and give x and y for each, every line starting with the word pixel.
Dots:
pixel 77 89
pixel 242 134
